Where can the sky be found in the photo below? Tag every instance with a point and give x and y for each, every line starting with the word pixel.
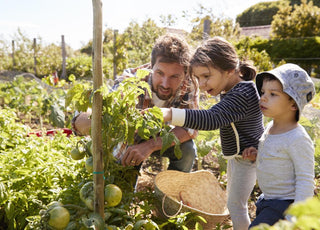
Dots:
pixel 49 19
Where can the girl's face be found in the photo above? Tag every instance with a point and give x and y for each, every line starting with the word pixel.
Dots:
pixel 212 80
pixel 274 103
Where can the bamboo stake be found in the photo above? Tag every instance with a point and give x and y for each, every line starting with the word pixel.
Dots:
pixel 98 168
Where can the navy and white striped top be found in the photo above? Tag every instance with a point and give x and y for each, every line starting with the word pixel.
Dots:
pixel 241 106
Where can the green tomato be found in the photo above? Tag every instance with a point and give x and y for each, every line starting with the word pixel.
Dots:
pixel 87 195
pixel 89 148
pixel 76 154
pixel 112 195
pixel 59 217
pixel 145 224
pixel 97 221
pixel 89 164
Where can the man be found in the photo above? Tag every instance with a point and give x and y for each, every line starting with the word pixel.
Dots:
pixel 171 87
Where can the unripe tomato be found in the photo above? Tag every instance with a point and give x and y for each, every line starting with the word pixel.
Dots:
pixel 89 148
pixel 87 195
pixel 76 154
pixel 59 217
pixel 89 164
pixel 112 195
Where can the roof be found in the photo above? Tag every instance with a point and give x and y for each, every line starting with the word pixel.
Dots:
pixel 263 31
pixel 176 31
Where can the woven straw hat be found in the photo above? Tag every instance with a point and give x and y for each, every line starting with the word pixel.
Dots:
pixel 198 192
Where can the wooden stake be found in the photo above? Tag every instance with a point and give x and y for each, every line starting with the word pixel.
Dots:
pixel 13 49
pixel 63 53
pixel 34 56
pixel 98 168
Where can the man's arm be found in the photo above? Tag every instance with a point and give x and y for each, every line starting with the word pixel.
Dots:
pixel 136 154
pixel 81 123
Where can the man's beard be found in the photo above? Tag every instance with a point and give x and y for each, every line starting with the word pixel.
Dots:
pixel 161 96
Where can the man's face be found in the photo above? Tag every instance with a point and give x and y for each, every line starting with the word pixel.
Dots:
pixel 166 79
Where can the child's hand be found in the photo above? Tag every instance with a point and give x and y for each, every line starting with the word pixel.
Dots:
pixel 167 114
pixel 250 154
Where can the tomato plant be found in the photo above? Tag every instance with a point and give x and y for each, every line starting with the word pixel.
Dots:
pixel 34 171
pixel 30 97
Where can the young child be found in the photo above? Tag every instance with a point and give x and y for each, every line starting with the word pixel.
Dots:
pixel 219 71
pixel 285 160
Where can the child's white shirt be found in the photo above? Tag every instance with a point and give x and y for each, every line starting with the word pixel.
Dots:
pixel 285 165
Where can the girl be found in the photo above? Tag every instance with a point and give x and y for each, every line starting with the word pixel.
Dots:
pixel 217 68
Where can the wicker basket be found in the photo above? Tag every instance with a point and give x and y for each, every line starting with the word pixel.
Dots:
pixel 198 192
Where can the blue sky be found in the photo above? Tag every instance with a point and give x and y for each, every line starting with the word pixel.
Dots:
pixel 49 19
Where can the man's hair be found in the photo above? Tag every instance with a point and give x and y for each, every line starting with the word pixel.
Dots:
pixel 171 48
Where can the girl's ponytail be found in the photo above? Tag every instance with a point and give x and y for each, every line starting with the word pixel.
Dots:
pixel 247 70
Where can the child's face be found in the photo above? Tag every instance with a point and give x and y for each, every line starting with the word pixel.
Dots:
pixel 274 102
pixel 211 80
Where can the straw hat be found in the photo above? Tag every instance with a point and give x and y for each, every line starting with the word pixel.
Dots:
pixel 198 192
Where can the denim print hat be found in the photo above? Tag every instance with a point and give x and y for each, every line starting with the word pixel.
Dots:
pixel 295 82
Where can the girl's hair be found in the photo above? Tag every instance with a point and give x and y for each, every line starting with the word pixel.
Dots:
pixel 220 54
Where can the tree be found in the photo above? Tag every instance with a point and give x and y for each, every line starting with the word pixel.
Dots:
pixel 260 13
pixel 115 50
pixel 298 2
pixel 140 40
pixel 132 48
pixel 246 51
pixel 169 20
pixel 223 27
pixel 298 21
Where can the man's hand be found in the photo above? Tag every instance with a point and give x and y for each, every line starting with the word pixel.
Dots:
pixel 250 154
pixel 136 154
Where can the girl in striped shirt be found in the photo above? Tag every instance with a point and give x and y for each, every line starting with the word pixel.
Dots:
pixel 218 71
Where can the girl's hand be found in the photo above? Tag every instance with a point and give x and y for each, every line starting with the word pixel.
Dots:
pixel 250 154
pixel 167 114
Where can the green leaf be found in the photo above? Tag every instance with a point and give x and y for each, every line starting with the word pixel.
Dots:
pixel 57 116
pixel 141 73
pixel 310 207
pixel 3 193
pixel 167 140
